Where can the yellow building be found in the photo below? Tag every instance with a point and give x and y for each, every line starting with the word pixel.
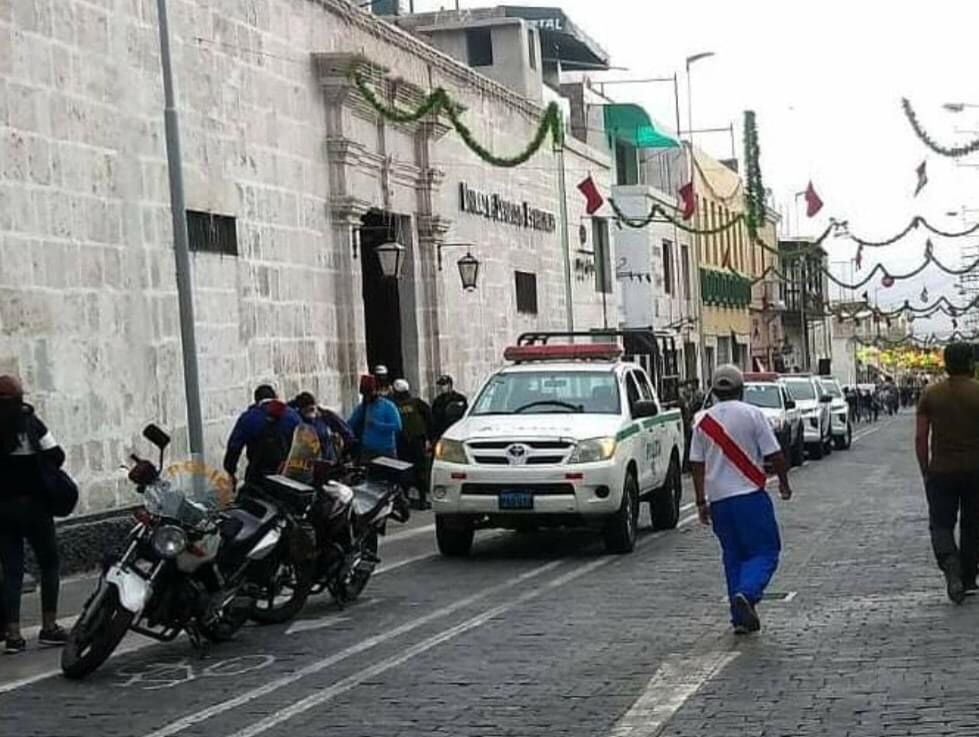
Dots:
pixel 767 333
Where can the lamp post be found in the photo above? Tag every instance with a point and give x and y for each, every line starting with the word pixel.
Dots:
pixel 391 256
pixel 698 244
pixel 181 250
pixel 468 265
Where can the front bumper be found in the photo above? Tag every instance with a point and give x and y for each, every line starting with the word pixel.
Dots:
pixel 839 422
pixel 587 489
pixel 812 429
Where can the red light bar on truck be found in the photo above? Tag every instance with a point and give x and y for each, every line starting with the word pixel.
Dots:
pixel 563 352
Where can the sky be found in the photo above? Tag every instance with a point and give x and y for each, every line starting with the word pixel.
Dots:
pixel 825 81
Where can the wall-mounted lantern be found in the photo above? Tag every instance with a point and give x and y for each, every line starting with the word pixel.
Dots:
pixel 391 256
pixel 468 265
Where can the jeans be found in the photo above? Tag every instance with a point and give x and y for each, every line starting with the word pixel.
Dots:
pixel 954 497
pixel 746 527
pixel 26 518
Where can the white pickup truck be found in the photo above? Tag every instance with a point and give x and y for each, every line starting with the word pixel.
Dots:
pixel 565 435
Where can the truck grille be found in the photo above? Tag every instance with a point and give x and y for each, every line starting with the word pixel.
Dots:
pixel 537 453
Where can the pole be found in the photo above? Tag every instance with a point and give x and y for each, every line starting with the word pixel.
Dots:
pixel 734 147
pixel 676 99
pixel 565 245
pixel 181 250
pixel 697 242
pixel 802 314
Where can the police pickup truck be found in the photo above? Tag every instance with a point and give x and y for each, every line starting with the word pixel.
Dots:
pixel 564 435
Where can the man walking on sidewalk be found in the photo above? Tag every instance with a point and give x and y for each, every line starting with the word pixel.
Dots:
pixel 949 413
pixel 731 443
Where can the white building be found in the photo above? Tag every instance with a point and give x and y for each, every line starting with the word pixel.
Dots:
pixel 293 180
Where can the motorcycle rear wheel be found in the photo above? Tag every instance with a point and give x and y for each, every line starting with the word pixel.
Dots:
pixel 96 634
pixel 355 586
pixel 288 589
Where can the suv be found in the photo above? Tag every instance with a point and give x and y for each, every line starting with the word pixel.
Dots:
pixel 567 435
pixel 813 403
pixel 840 426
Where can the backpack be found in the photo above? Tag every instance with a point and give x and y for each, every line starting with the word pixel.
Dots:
pixel 412 420
pixel 269 449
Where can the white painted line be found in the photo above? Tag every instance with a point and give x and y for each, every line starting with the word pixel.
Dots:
pixel 388 567
pixel 405 534
pixel 685 507
pixel 315 667
pixel 675 681
pixel 790 596
pixel 346 684
pixel 305 625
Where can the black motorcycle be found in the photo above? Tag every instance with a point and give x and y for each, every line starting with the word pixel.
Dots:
pixel 347 507
pixel 184 568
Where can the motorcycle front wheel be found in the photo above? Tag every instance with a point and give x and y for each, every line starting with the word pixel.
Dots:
pixel 286 591
pixel 357 581
pixel 99 630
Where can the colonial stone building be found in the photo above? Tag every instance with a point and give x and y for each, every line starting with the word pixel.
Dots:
pixel 293 180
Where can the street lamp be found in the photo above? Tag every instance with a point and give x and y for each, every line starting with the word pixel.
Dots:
pixel 468 265
pixel 391 256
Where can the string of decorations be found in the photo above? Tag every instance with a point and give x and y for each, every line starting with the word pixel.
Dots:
pixel 659 214
pixel 439 101
pixel 917 341
pixel 952 151
pixel 754 198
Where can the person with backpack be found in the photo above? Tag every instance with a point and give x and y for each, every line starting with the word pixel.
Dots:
pixel 376 422
pixel 334 435
pixel 413 440
pixel 26 514
pixel 264 431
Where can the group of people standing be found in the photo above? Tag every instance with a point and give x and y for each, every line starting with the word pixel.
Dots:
pixel 867 403
pixel 388 421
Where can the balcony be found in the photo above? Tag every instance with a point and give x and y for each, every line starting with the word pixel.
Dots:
pixel 725 289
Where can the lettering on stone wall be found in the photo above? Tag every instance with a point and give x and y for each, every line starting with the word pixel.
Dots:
pixel 501 210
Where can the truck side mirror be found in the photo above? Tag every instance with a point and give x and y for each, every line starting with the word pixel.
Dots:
pixel 644 408
pixel 789 404
pixel 826 399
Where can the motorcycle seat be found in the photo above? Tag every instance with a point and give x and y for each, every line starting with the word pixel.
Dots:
pixel 368 501
pixel 249 522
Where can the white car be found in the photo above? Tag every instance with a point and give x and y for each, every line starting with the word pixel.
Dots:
pixel 840 426
pixel 813 403
pixel 566 435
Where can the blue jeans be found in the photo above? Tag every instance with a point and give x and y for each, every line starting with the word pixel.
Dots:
pixel 746 527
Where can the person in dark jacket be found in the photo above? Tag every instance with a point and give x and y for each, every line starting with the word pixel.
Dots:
pixel 448 406
pixel 376 422
pixel 25 443
pixel 413 440
pixel 264 431
pixel 334 434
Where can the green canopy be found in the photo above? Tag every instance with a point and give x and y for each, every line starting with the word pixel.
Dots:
pixel 630 123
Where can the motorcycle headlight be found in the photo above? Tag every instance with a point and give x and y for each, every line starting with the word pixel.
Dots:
pixel 596 449
pixel 450 451
pixel 169 541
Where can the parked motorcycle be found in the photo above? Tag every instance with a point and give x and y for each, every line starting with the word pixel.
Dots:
pixel 347 507
pixel 184 568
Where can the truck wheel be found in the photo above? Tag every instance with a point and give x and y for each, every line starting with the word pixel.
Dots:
pixel 845 441
pixel 664 503
pixel 620 531
pixel 454 536
pixel 798 455
pixel 817 450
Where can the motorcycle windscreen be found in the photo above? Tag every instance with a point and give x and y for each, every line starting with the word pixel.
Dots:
pixel 303 454
pixel 195 489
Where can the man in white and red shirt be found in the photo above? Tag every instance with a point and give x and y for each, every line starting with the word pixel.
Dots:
pixel 731 443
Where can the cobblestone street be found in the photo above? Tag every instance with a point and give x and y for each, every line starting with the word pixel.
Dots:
pixel 547 635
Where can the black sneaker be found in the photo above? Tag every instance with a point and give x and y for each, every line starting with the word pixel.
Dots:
pixel 15 645
pixel 54 637
pixel 746 613
pixel 953 584
pixel 740 629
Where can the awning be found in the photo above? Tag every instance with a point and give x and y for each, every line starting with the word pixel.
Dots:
pixel 631 124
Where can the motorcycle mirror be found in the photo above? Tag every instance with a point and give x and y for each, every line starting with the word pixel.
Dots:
pixel 156 436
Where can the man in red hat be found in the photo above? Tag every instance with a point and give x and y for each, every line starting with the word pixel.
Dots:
pixel 376 421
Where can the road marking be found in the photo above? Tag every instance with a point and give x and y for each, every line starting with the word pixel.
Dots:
pixel 346 684
pixel 306 625
pixel 405 534
pixel 675 681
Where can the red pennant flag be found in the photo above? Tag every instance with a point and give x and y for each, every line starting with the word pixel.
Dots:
pixel 688 201
pixel 813 203
pixel 922 171
pixel 593 197
pixel 888 281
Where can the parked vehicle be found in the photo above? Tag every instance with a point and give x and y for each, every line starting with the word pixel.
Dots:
pixel 841 428
pixel 565 435
pixel 182 569
pixel 346 508
pixel 814 404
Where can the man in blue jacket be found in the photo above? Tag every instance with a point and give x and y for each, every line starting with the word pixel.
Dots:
pixel 265 432
pixel 376 421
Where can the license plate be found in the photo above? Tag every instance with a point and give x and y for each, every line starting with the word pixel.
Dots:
pixel 516 500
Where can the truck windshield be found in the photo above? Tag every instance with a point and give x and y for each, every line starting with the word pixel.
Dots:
pixel 800 389
pixel 763 395
pixel 549 392
pixel 832 389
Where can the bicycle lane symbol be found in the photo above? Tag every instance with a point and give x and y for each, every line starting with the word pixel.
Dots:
pixel 160 675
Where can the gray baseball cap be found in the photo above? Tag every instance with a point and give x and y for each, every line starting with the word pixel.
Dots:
pixel 727 378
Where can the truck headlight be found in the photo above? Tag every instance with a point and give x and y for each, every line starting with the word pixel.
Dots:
pixel 450 451
pixel 596 449
pixel 169 541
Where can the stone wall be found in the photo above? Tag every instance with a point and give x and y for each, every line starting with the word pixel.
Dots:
pixel 88 310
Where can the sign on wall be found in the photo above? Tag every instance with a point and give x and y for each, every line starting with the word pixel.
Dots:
pixel 501 210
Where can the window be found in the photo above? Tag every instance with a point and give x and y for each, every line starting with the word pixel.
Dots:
pixel 526 292
pixel 532 48
pixel 632 391
pixel 685 267
pixel 667 267
pixel 645 388
pixel 768 396
pixel 549 392
pixel 626 163
pixel 479 47
pixel 210 233
pixel 603 255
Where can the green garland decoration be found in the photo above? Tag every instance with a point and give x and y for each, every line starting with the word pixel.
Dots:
pixel 659 214
pixel 440 102
pixel 755 195
pixel 952 151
